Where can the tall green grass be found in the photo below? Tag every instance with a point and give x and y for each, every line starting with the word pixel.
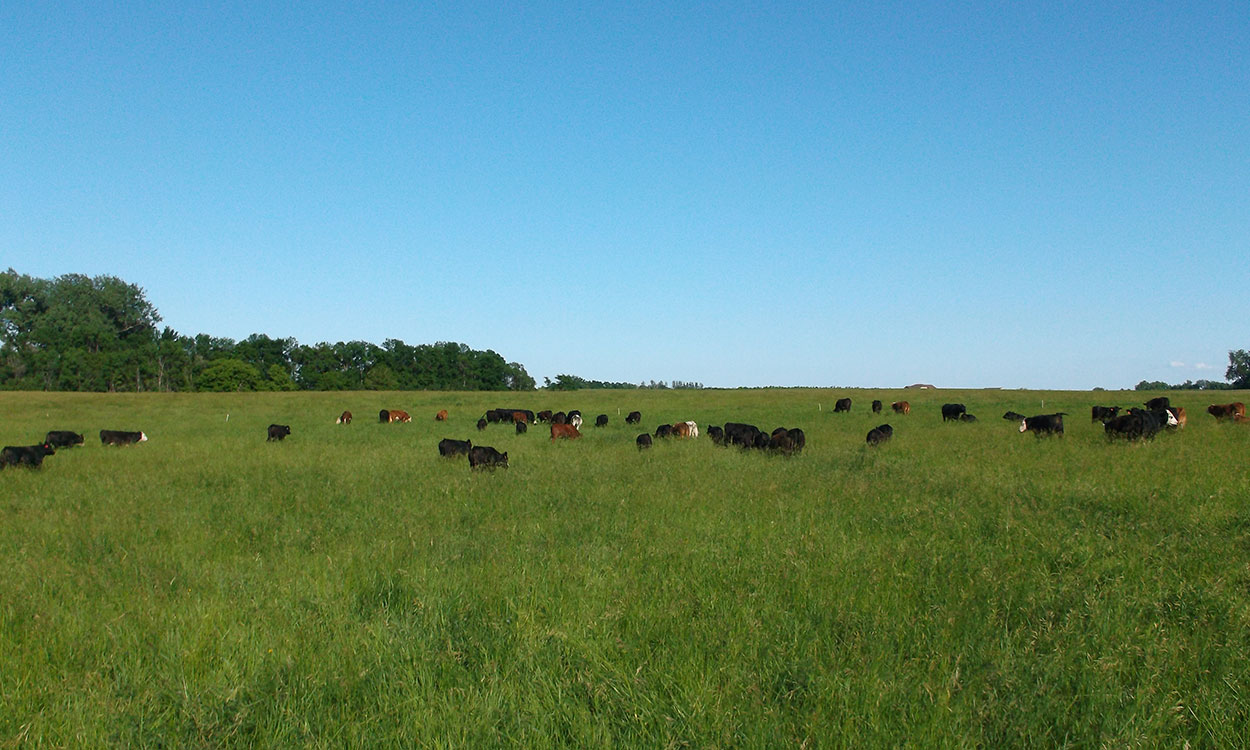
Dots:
pixel 962 585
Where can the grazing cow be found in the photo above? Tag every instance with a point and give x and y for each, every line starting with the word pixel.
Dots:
pixel 448 448
pixel 1178 412
pixel 744 435
pixel 643 441
pixel 1227 411
pixel 522 427
pixel 62 439
pixel 601 420
pixel 901 407
pixel 566 431
pixel 575 420
pixel 25 455
pixel 481 424
pixel 1139 424
pixel 682 430
pixel 1012 416
pixel 399 416
pixel 717 434
pixel 787 441
pixel 1160 402
pixel 344 418
pixel 486 457
pixel 384 416
pixel 559 418
pixel 543 416
pixel 522 417
pixel 574 413
pixel 278 431
pixel 876 406
pixel 880 434
pixel 952 412
pixel 1043 424
pixel 965 417
pixel 634 417
pixel 799 437
pixel 1103 413
pixel 664 430
pixel 441 416
pixel 1239 419
pixel 118 437
pixel 842 404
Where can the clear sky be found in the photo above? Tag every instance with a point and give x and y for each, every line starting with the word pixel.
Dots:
pixel 1043 195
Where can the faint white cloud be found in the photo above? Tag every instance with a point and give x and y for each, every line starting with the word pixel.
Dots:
pixel 1204 366
pixel 1174 363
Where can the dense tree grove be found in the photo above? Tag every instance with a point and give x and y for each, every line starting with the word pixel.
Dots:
pixel 101 334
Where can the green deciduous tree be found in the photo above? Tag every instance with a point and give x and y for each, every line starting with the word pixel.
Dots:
pixel 1238 373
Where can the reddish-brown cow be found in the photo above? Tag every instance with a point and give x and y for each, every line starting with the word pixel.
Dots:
pixel 567 431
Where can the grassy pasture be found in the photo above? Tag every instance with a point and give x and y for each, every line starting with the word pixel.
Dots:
pixel 963 585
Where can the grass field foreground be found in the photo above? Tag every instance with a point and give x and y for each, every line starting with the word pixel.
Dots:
pixel 961 585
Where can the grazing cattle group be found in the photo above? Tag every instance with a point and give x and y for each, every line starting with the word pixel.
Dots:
pixel 1134 424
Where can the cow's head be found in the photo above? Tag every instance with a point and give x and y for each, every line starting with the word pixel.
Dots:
pixel 1024 425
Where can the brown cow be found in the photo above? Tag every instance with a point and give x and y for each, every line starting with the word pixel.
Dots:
pixel 1179 413
pixel 901 407
pixel 441 416
pixel 1227 411
pixel 1241 419
pixel 685 429
pixel 520 417
pixel 564 431
pixel 398 416
pixel 344 418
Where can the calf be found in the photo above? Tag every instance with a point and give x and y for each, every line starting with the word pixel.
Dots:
pixel 62 439
pixel 448 448
pixel 1227 411
pixel 344 418
pixel 25 455
pixel 399 416
pixel 522 427
pixel 643 441
pixel 481 424
pixel 880 434
pixel 876 406
pixel 634 417
pixel 486 457
pixel 966 417
pixel 1043 424
pixel 441 416
pixel 842 404
pixel 118 437
pixel 952 412
pixel 1012 416
pixel 601 420
pixel 278 431
pixel 901 407
pixel 717 434
pixel 566 431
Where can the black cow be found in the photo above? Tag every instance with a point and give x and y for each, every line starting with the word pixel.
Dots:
pixel 1043 424
pixel 448 448
pixel 880 434
pixel 799 437
pixel 62 439
pixel 601 420
pixel 279 431
pixel 486 457
pixel 966 417
pixel 842 404
pixel 664 430
pixel 559 418
pixel 780 441
pixel 1139 424
pixel 481 424
pixel 745 435
pixel 1103 414
pixel 643 441
pixel 952 412
pixel 634 417
pixel 543 416
pixel 384 416
pixel 118 437
pixel 876 406
pixel 1160 402
pixel 521 428
pixel 717 434
pixel 25 455
pixel 1012 416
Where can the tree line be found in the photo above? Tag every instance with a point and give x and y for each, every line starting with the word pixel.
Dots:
pixel 80 333
pixel 1237 374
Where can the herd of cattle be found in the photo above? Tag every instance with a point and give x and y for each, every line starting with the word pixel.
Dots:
pixel 1134 424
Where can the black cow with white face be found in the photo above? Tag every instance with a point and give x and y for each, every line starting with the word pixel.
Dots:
pixel 634 417
pixel 1043 424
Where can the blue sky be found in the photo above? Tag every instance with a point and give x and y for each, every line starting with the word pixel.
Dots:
pixel 1044 195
